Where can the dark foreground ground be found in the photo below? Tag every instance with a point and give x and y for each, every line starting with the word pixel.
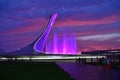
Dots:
pixel 54 71
pixel 32 71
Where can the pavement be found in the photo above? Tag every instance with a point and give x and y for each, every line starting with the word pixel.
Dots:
pixel 80 71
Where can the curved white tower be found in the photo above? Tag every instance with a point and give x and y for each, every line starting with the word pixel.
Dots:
pixel 39 44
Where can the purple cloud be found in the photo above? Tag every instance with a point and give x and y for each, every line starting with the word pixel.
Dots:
pixel 101 37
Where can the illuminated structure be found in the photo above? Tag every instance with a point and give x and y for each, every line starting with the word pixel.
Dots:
pixel 57 46
pixel 64 45
pixel 39 44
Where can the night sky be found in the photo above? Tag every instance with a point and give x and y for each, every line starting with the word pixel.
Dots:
pixel 96 23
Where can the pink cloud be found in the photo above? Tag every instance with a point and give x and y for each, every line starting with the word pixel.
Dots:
pixel 100 37
pixel 33 26
pixel 72 22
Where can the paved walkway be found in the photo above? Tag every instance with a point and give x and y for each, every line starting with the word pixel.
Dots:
pixel 88 72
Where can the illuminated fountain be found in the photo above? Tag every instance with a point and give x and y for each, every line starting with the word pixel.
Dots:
pixel 64 45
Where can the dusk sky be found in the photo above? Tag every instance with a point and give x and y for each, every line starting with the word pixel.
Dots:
pixel 96 23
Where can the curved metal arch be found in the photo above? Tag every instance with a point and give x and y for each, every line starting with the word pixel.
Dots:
pixel 39 44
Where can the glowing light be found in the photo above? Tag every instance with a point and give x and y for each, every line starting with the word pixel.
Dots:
pixel 23 58
pixel 3 58
pixel 65 45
